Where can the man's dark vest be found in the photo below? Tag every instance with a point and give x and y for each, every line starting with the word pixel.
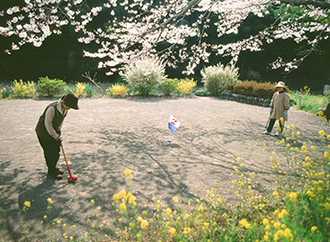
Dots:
pixel 57 120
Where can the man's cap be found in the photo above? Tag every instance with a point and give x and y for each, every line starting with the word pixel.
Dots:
pixel 71 100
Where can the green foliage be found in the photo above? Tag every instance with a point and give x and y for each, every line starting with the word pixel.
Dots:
pixel 50 87
pixel 252 88
pixel 89 91
pixel 309 103
pixel 216 78
pixel 202 92
pixel 168 86
pixel 22 89
pixel 145 75
pixel 4 93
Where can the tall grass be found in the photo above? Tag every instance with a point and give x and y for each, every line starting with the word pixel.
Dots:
pixel 309 103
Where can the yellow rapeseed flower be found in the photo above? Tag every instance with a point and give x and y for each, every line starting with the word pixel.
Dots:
pixel 265 222
pixel 49 200
pixel 168 211
pixel 122 207
pixel 27 204
pixel 288 235
pixel 144 224
pixel 116 197
pixel 282 213
pixel 132 225
pixel 131 200
pixel 313 228
pixel 244 223
pixel 123 194
pixel 321 133
pixel 310 193
pixel 277 225
pixel 172 230
pixel 293 196
pixel 128 173
pixel 92 201
pixel 175 199
pixel 275 194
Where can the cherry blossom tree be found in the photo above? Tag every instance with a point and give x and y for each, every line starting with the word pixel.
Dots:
pixel 174 30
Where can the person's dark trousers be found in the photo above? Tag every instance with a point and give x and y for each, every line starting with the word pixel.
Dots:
pixel 271 125
pixel 51 153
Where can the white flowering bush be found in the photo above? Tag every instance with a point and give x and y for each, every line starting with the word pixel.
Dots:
pixel 144 75
pixel 215 78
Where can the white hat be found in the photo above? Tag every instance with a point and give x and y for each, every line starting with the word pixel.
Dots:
pixel 280 84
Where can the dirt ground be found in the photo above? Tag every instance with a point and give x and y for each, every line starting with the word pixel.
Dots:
pixel 108 135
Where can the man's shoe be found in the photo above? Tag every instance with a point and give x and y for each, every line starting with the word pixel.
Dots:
pixel 58 177
pixel 55 175
pixel 265 132
pixel 60 171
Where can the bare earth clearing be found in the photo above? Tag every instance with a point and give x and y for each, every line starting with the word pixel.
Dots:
pixel 108 135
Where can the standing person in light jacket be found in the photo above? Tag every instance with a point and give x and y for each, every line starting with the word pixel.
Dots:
pixel 48 131
pixel 279 106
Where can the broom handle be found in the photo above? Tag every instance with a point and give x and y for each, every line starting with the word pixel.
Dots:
pixel 66 162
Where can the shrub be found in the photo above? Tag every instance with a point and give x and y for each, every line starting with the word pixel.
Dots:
pixel 80 87
pixel 168 86
pixel 4 93
pixel 89 90
pixel 215 78
pixel 50 87
pixel 186 86
pixel 252 88
pixel 23 89
pixel 117 90
pixel 144 75
pixel 202 92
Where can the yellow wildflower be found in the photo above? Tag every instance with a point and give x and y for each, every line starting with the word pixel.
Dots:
pixel 265 222
pixel 293 196
pixel 128 173
pixel 310 193
pixel 277 225
pixel 244 223
pixel 122 207
pixel 123 194
pixel 132 225
pixel 321 133
pixel 175 199
pixel 172 231
pixel 49 200
pixel 168 211
pixel 282 213
pixel 144 224
pixel 131 200
pixel 27 204
pixel 275 194
pixel 115 197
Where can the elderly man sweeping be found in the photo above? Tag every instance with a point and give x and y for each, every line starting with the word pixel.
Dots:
pixel 49 131
pixel 279 106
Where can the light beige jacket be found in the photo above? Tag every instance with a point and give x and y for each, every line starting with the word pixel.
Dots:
pixel 280 102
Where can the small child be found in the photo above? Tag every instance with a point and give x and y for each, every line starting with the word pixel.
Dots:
pixel 48 131
pixel 279 106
